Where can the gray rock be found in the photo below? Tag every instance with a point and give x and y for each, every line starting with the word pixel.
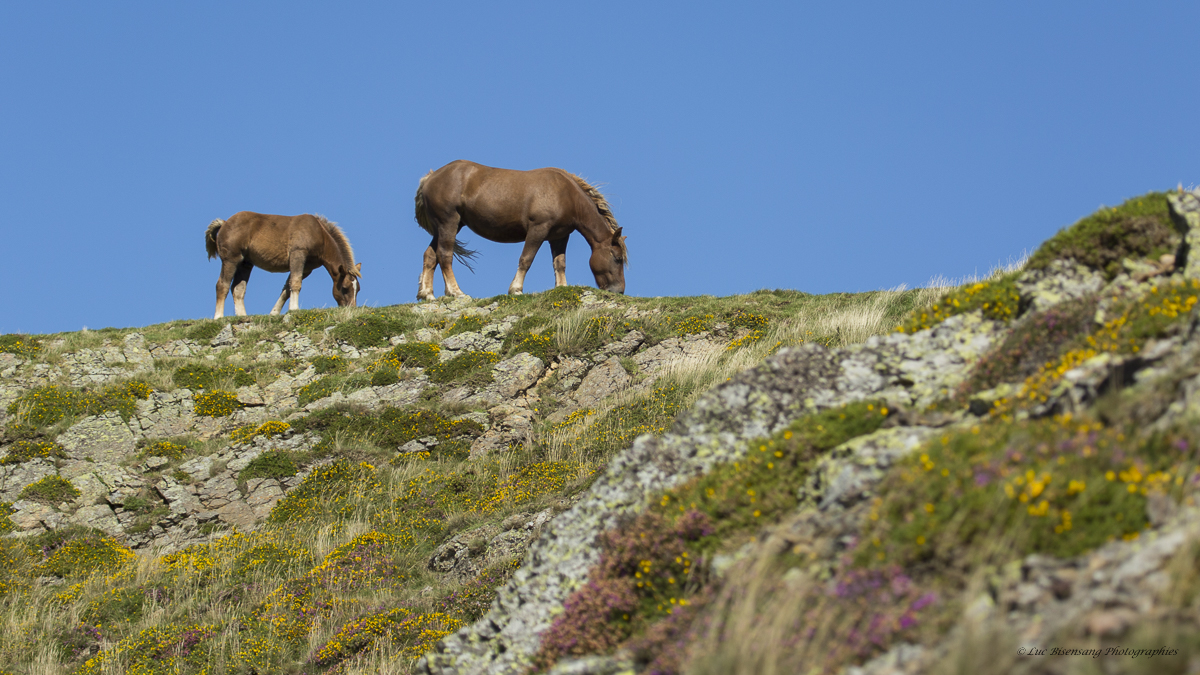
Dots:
pixel 511 426
pixel 98 516
pixel 602 381
pixel 1185 213
pixel 179 498
pixel 199 468
pixel 1060 281
pixel 510 377
pixel 224 338
pixel 626 345
pixel 30 515
pixel 102 438
pixel 14 477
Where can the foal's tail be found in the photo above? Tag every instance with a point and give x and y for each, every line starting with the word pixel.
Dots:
pixel 210 237
pixel 464 254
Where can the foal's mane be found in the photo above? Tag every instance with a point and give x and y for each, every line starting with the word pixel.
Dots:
pixel 604 209
pixel 339 237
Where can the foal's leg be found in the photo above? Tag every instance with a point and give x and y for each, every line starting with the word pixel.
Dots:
pixel 228 268
pixel 282 298
pixel 240 277
pixel 425 285
pixel 296 263
pixel 531 248
pixel 558 249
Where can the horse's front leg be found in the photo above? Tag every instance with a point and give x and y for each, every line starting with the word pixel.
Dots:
pixel 531 248
pixel 296 277
pixel 228 268
pixel 240 278
pixel 428 263
pixel 558 249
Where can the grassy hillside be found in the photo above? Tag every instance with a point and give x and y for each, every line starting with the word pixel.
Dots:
pixel 368 555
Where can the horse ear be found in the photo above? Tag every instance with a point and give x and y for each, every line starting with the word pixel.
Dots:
pixel 358 270
pixel 617 234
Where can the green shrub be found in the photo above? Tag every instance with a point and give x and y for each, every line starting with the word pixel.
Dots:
pixel 542 345
pixel 383 376
pixel 561 298
pixel 744 319
pixel 411 355
pixel 1141 227
pixel 473 368
pixel 27 449
pixel 6 526
pixel 370 329
pixel 693 324
pixel 200 376
pixel 318 389
pixel 999 300
pixel 270 464
pixel 205 330
pixel 250 431
pixel 330 491
pixel 50 490
pixel 390 428
pixel 119 605
pixel 465 324
pixel 19 344
pixel 329 364
pixel 164 449
pixel 216 404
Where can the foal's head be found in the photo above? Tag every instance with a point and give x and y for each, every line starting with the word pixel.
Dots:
pixel 608 264
pixel 346 285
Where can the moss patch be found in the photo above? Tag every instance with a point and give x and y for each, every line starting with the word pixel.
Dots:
pixel 1139 228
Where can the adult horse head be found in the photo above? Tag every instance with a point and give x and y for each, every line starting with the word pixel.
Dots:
pixel 516 206
pixel 293 244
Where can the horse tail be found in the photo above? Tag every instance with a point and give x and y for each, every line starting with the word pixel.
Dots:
pixel 464 254
pixel 603 208
pixel 210 237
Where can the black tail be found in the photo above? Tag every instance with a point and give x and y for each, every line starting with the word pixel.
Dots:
pixel 210 237
pixel 464 254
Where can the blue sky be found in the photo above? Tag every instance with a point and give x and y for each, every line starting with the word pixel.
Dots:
pixel 772 145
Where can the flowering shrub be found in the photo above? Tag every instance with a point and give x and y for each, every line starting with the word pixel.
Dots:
pixel 50 490
pixel 329 364
pixel 161 650
pixel 744 319
pixel 250 432
pixel 464 324
pixel 393 427
pixel 165 449
pixel 25 450
pixel 21 345
pixel 1060 486
pixel 542 345
pixel 79 557
pixel 327 492
pixel 412 632
pixel 999 300
pixel 216 404
pixel 693 324
pixel 645 570
pixel 270 558
pixel 411 355
pixel 528 483
pixel 44 406
pixel 317 390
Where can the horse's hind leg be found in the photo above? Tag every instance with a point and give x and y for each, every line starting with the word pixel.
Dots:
pixel 558 249
pixel 240 278
pixel 228 268
pixel 447 235
pixel 523 265
pixel 428 263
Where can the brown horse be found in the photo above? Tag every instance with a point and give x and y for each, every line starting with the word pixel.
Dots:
pixel 295 244
pixel 511 206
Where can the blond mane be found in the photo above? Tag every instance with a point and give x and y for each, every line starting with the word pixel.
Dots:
pixel 339 237
pixel 604 209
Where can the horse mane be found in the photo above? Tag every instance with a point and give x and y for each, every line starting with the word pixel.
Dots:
pixel 604 209
pixel 339 237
